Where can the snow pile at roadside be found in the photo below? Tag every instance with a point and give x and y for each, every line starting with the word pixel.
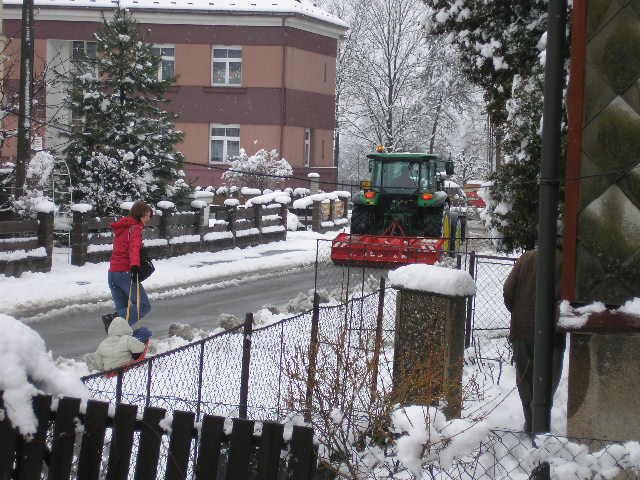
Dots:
pixel 27 369
pixel 429 278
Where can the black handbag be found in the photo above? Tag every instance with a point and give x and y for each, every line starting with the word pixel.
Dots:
pixel 146 266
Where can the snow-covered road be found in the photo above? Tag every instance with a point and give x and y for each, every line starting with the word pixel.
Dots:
pixel 76 333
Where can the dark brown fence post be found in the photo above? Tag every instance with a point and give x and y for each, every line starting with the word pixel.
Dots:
pixel 468 331
pixel 302 464
pixel 257 214
pixel 45 235
pixel 313 356
pixel 378 341
pixel 284 214
pixel 230 215
pixel 7 445
pixel 79 239
pixel 246 359
pixel 163 228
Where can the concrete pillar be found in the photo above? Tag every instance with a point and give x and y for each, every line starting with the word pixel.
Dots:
pixel 429 337
pixel 604 381
pixel 314 182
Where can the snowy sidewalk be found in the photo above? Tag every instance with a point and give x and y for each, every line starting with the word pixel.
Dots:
pixel 65 285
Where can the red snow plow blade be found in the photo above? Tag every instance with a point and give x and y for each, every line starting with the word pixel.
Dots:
pixel 385 251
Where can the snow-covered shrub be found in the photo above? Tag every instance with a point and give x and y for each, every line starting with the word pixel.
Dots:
pixel 37 187
pixel 263 170
pixel 179 193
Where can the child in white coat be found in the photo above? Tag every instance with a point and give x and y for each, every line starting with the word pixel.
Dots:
pixel 117 349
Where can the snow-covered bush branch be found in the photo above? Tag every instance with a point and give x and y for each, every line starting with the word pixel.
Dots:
pixel 263 170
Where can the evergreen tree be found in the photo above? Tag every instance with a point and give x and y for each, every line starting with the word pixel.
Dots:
pixel 123 146
pixel 502 45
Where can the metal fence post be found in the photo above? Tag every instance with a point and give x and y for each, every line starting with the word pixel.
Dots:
pixel 313 355
pixel 459 261
pixel 378 340
pixel 119 386
pixel 149 376
pixel 468 331
pixel 246 359
pixel 200 368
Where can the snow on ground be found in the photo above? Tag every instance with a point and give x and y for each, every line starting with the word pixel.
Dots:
pixel 67 285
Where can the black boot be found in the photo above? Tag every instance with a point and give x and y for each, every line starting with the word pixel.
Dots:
pixel 107 319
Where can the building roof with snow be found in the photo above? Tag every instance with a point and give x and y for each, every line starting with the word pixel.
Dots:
pixel 298 8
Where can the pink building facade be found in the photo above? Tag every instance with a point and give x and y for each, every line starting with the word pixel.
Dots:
pixel 258 75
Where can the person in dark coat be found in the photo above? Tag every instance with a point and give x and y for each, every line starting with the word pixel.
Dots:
pixel 124 268
pixel 520 297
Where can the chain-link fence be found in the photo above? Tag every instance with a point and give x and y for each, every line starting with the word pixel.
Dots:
pixel 509 455
pixel 206 376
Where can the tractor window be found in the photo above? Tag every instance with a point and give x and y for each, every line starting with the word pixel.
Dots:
pixel 427 175
pixel 397 177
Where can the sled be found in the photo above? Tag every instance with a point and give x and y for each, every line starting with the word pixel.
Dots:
pixel 129 364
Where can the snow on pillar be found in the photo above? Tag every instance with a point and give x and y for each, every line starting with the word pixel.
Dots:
pixel 429 337
pixel 314 182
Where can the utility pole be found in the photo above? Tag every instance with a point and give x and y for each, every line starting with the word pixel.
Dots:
pixel 547 217
pixel 25 96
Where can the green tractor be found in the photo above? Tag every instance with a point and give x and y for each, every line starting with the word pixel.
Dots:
pixel 404 198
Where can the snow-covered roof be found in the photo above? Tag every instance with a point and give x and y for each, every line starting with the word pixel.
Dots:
pixel 303 8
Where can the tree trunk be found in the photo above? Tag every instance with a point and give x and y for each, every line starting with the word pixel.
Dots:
pixel 25 97
pixel 434 129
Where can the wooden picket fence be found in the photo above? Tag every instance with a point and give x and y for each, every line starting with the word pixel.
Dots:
pixel 92 445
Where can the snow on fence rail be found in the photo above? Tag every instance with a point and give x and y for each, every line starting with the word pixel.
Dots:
pixel 323 211
pixel 171 233
pixel 26 245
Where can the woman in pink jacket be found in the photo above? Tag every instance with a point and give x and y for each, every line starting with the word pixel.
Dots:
pixel 125 267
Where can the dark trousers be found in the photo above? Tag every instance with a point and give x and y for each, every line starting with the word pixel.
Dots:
pixel 523 359
pixel 120 286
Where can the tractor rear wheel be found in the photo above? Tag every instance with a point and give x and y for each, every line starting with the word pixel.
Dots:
pixel 360 220
pixel 457 234
pixel 432 222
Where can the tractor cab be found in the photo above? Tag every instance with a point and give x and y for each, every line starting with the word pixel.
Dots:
pixel 407 176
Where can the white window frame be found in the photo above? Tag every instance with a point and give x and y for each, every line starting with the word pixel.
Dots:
pixel 78 119
pixel 226 61
pixel 84 48
pixel 160 46
pixel 224 138
pixel 307 147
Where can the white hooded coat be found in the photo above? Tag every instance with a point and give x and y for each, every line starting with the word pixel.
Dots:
pixel 117 349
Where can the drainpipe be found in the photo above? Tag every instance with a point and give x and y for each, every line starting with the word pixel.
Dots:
pixel 283 87
pixel 547 216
